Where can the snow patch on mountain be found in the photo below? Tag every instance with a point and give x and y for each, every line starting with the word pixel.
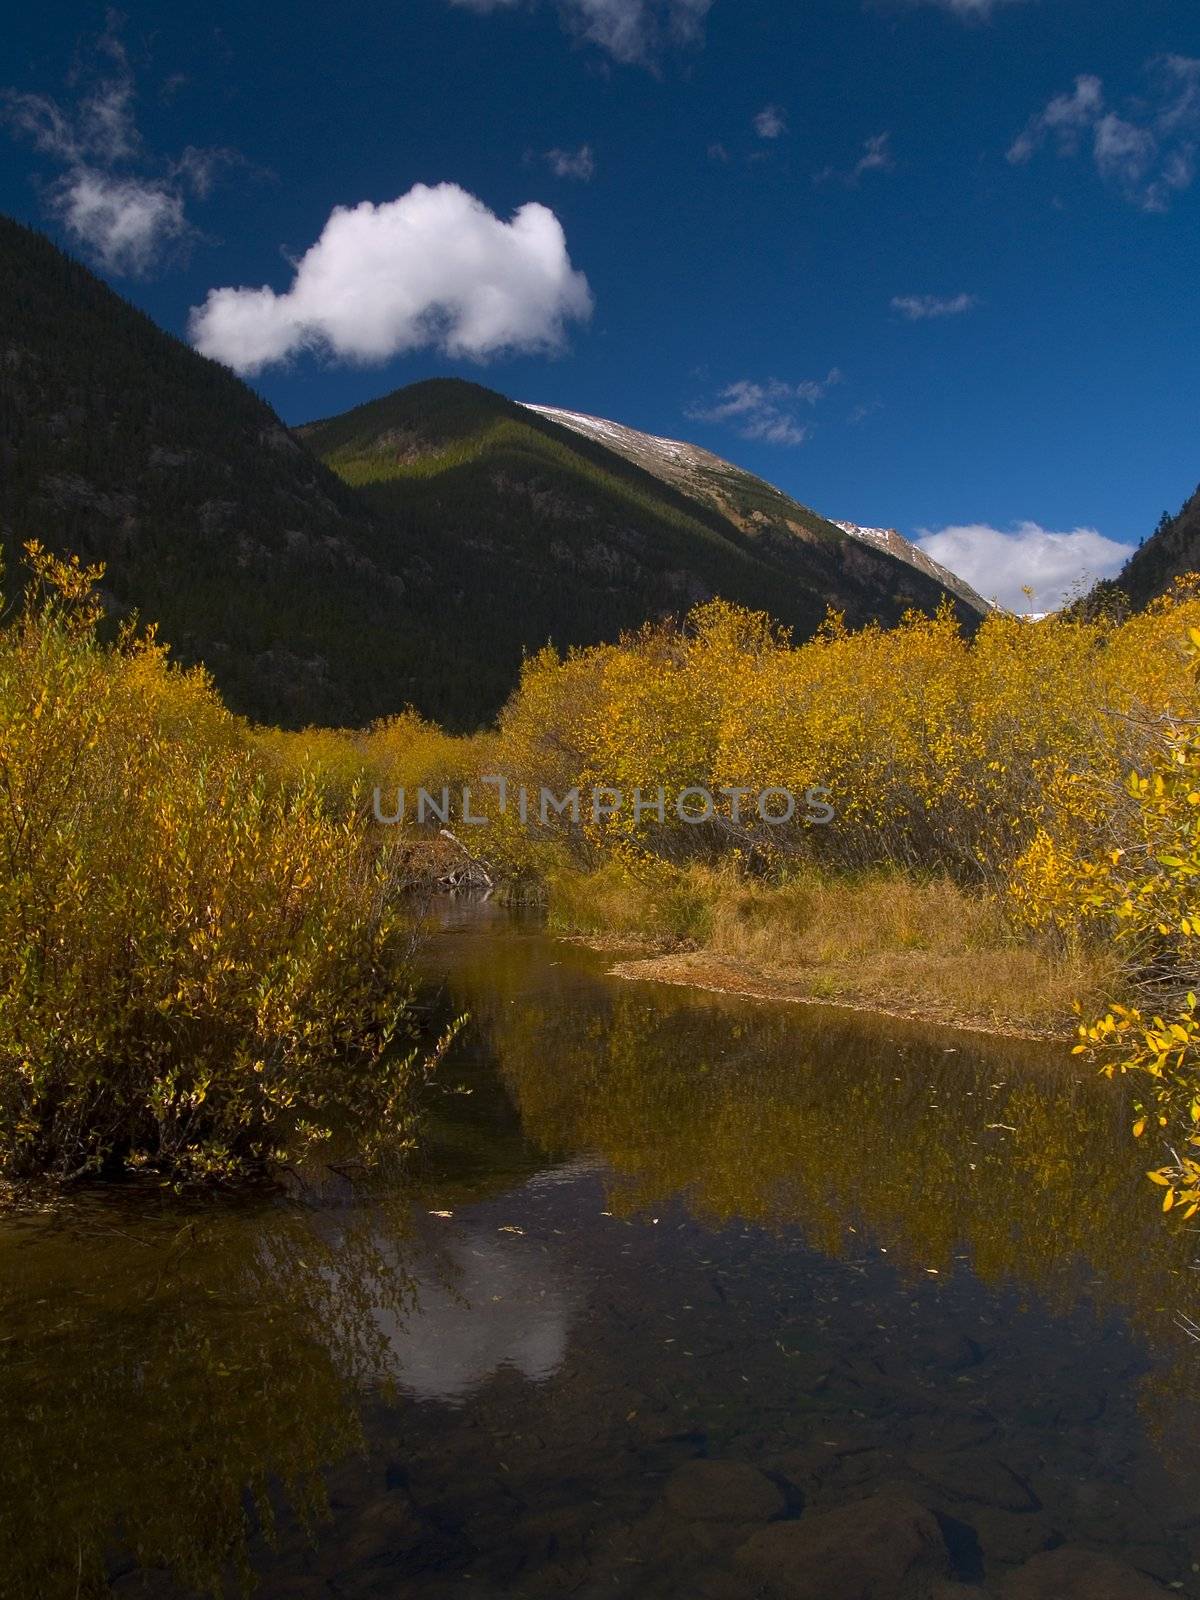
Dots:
pixel 894 542
pixel 705 476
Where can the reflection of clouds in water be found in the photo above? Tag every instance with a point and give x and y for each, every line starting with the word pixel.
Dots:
pixel 494 1310
pixel 484 1300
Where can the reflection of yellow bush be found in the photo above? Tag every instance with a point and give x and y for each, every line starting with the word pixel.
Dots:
pixel 239 1343
pixel 809 1123
pixel 195 962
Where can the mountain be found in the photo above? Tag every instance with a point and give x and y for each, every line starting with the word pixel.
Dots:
pixel 894 542
pixel 750 503
pixel 540 525
pixel 1170 551
pixel 409 552
pixel 121 444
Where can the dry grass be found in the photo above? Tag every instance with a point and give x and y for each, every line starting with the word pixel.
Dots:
pixel 884 940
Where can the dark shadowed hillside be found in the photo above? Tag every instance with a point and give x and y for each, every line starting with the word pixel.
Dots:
pixel 535 531
pixel 121 444
pixel 1172 550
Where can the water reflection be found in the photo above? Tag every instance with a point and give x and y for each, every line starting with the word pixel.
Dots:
pixel 641 1226
pixel 158 1369
pixel 942 1151
pixel 485 1301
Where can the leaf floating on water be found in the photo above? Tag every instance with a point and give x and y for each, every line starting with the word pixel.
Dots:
pixel 441 1213
pixel 510 1227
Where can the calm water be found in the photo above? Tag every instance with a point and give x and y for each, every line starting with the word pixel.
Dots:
pixel 643 1228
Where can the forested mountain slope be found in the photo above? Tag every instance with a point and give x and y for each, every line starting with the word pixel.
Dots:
pixel 534 531
pixel 750 503
pixel 1169 552
pixel 121 444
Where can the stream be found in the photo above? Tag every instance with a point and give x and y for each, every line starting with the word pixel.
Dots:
pixel 677 1294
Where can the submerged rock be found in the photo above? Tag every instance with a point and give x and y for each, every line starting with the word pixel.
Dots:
pixel 978 1479
pixel 723 1491
pixel 884 1548
pixel 1072 1574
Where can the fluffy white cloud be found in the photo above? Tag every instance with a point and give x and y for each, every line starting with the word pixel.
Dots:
pixel 115 200
pixel 1148 155
pixel 630 30
pixel 579 163
pixel 1000 564
pixel 929 307
pixel 767 411
pixel 771 122
pixel 432 269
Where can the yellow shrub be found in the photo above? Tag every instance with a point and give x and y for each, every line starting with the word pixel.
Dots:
pixel 196 964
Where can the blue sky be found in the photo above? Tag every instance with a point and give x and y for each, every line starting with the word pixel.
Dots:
pixel 923 263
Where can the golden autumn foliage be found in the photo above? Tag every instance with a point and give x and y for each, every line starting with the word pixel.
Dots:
pixel 984 822
pixel 998 765
pixel 1146 885
pixel 990 760
pixel 985 760
pixel 198 964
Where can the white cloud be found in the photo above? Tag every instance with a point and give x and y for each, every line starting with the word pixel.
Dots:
pixel 579 163
pixel 126 222
pixel 630 30
pixel 1000 565
pixel 198 169
pixel 771 122
pixel 432 269
pixel 1147 155
pixel 1064 119
pixel 116 201
pixel 968 10
pixel 877 156
pixel 766 411
pixel 1124 152
pixel 1179 77
pixel 930 307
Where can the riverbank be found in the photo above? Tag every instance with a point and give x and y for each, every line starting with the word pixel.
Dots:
pixel 881 942
pixel 699 970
